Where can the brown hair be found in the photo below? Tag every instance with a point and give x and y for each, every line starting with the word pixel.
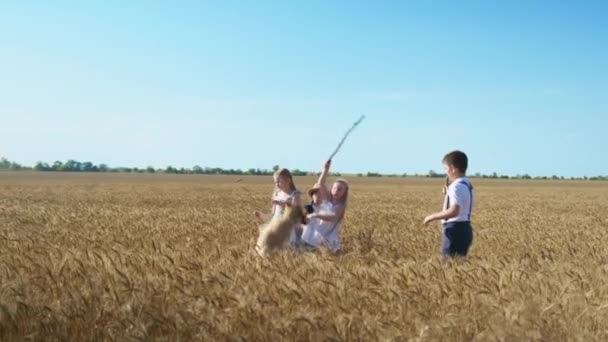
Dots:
pixel 458 160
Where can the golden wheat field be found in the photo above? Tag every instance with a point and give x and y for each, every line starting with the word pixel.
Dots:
pixel 102 257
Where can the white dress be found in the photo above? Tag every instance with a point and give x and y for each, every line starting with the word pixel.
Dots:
pixel 283 197
pixel 319 232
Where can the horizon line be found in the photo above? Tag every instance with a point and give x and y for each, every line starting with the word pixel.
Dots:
pixel 6 164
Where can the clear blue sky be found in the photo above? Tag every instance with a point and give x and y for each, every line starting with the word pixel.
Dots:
pixel 521 86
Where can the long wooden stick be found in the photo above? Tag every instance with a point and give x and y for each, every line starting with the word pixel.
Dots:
pixel 345 136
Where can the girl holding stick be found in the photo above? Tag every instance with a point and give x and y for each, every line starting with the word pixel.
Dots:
pixel 324 224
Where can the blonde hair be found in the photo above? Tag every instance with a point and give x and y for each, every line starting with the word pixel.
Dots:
pixel 283 173
pixel 275 177
pixel 344 200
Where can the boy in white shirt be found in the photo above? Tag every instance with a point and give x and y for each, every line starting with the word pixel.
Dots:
pixel 457 234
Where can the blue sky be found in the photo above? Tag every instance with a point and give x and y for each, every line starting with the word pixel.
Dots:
pixel 518 85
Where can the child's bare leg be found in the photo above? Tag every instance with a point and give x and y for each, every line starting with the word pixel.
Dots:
pixel 261 217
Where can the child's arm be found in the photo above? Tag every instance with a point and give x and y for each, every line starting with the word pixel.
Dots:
pixel 450 212
pixel 296 200
pixel 323 193
pixel 338 215
pixel 278 202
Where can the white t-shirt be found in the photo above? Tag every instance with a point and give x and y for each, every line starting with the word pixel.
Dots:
pixel 460 192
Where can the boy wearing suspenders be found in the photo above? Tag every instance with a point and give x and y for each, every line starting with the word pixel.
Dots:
pixel 457 234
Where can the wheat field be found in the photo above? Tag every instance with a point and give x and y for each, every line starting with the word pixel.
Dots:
pixel 120 257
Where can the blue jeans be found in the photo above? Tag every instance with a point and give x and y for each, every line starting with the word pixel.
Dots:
pixel 456 238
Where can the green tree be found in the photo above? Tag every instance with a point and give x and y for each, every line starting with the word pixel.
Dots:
pixel 15 166
pixel 40 166
pixel 88 167
pixel 70 165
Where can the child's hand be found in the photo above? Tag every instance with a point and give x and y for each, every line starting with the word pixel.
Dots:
pixel 327 165
pixel 279 203
pixel 428 220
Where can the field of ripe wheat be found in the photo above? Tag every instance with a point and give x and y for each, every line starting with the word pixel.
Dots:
pixel 93 257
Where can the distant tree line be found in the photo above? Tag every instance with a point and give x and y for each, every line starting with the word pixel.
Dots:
pixel 494 175
pixel 9 165
pixel 77 166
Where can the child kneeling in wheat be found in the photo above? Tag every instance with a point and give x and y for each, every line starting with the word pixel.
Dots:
pixel 323 228
pixel 275 232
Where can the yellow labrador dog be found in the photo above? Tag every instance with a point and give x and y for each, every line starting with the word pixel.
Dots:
pixel 277 233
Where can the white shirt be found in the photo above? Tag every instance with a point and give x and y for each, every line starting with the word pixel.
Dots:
pixel 459 193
